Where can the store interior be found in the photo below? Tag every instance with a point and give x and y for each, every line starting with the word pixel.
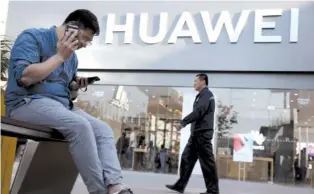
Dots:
pixel 281 120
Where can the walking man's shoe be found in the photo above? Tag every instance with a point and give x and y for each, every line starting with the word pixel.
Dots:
pixel 174 188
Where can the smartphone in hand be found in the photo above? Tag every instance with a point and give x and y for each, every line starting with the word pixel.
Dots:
pixel 91 80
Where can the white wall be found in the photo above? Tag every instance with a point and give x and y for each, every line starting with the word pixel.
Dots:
pixel 184 55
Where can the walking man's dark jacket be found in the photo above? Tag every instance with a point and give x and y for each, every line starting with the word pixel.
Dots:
pixel 202 117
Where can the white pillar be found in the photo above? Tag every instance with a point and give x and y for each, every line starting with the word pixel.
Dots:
pixel 3 15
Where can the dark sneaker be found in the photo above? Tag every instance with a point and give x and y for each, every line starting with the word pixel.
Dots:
pixel 125 191
pixel 209 193
pixel 174 188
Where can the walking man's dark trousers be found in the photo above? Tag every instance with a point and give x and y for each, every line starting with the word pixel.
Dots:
pixel 199 145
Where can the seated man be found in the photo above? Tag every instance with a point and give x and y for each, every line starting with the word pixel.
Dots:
pixel 42 68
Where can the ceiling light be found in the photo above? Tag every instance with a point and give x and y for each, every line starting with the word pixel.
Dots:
pixel 254 93
pixel 112 89
pixel 295 94
pixel 306 123
pixel 153 96
pixel 291 100
pixel 303 101
pixel 146 90
pixel 254 99
pixel 309 120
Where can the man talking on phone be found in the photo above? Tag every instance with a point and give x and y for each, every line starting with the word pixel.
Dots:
pixel 199 145
pixel 42 75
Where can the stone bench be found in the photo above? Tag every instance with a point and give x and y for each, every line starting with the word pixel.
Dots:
pixel 46 166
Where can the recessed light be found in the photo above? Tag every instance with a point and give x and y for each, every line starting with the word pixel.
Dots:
pixel 254 100
pixel 146 90
pixel 306 123
pixel 309 120
pixel 295 94
pixel 291 100
pixel 254 93
pixel 153 96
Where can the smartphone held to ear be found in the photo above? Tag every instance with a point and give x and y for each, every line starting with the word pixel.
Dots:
pixel 72 28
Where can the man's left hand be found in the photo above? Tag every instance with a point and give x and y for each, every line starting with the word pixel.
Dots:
pixel 82 82
pixel 78 83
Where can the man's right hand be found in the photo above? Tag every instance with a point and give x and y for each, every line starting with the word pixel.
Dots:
pixel 179 126
pixel 67 45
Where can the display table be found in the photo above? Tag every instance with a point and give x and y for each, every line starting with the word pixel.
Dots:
pixel 138 158
pixel 258 170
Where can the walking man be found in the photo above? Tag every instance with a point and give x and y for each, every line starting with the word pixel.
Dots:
pixel 199 145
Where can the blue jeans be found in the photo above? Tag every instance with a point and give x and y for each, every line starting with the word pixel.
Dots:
pixel 91 141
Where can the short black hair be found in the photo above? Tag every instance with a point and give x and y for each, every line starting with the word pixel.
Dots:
pixel 128 129
pixel 85 18
pixel 203 76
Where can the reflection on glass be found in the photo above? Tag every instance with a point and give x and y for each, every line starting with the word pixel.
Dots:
pixel 280 121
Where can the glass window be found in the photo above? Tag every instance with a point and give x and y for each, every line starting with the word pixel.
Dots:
pixel 280 122
pixel 151 114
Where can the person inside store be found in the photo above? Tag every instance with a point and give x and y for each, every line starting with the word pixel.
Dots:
pixel 42 67
pixel 122 146
pixel 151 151
pixel 199 145
pixel 303 164
pixel 140 155
pixel 169 162
pixel 163 157
pixel 157 160
pixel 132 146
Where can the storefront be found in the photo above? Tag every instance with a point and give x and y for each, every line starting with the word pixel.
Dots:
pixel 258 55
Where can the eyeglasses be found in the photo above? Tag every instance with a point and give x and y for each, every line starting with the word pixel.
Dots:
pixel 88 43
pixel 85 39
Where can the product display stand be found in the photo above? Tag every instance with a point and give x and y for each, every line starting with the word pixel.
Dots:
pixel 242 169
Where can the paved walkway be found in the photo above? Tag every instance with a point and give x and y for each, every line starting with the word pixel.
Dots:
pixel 144 183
